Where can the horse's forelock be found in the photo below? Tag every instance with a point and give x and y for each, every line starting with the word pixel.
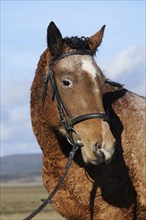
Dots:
pixel 77 43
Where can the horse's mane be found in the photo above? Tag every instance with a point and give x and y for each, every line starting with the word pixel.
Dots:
pixel 114 84
pixel 77 43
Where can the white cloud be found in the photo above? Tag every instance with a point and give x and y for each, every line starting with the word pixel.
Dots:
pixel 125 61
pixel 128 67
pixel 20 148
pixel 16 130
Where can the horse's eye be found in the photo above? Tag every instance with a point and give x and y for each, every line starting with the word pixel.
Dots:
pixel 67 83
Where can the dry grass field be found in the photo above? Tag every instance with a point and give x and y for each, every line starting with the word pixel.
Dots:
pixel 19 201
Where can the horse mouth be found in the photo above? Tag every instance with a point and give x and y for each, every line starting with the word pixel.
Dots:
pixel 98 157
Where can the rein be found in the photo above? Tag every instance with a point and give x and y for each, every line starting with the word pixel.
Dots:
pixel 49 199
pixel 68 126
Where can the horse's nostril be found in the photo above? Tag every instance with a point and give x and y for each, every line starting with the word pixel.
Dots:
pixel 99 154
pixel 97 145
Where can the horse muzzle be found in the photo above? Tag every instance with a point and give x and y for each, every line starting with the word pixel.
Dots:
pixel 97 156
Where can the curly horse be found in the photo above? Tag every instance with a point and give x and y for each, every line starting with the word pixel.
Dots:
pixel 107 177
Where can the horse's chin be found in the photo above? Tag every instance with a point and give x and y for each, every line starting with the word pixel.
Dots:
pixel 96 160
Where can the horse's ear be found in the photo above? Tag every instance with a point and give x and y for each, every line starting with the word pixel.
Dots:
pixel 96 39
pixel 54 39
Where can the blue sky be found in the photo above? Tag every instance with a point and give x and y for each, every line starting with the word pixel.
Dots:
pixel 23 38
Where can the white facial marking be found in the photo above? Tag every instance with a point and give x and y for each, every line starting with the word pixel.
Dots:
pixel 89 67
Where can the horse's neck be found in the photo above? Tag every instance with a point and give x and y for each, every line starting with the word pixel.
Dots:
pixel 124 102
pixel 128 112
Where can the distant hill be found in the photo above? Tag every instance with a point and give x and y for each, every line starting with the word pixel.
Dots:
pixel 25 168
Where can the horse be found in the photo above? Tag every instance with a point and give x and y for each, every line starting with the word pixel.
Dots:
pixel 72 102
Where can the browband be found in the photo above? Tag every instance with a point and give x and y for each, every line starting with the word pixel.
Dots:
pixel 74 52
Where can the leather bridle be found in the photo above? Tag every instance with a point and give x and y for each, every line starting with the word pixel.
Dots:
pixel 68 126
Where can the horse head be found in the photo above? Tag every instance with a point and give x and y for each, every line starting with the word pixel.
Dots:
pixel 77 89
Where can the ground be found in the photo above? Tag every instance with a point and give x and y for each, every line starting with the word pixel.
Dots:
pixel 19 201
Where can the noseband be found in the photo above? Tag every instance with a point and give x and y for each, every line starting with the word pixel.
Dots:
pixel 61 106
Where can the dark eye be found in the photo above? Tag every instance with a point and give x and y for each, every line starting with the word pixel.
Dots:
pixel 67 83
